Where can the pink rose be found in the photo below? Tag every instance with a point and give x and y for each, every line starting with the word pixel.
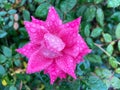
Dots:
pixel 54 47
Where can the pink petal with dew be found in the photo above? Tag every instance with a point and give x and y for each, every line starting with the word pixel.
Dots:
pixel 53 16
pixel 37 62
pixel 35 31
pixel 67 64
pixel 37 21
pixel 53 42
pixel 54 72
pixel 53 21
pixel 70 32
pixel 28 49
pixel 73 25
pixel 49 53
pixel 81 55
pixel 84 49
pixel 78 47
pixel 68 37
pixel 73 50
pixel 83 44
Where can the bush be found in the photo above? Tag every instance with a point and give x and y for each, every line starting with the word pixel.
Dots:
pixel 100 27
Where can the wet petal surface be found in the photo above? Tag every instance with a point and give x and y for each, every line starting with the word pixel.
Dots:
pixel 53 42
pixel 67 64
pixel 28 49
pixel 54 71
pixel 53 21
pixel 37 62
pixel 35 31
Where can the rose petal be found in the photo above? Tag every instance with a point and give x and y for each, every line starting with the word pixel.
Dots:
pixel 67 64
pixel 54 72
pixel 73 25
pixel 53 42
pixel 69 38
pixel 53 21
pixel 70 32
pixel 37 21
pixel 81 55
pixel 28 49
pixel 73 50
pixel 83 49
pixel 79 47
pixel 53 16
pixel 37 63
pixel 48 53
pixel 35 31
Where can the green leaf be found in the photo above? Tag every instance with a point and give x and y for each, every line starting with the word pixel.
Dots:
pixel 11 18
pixel 42 10
pixel 90 13
pixel 103 73
pixel 98 1
pixel 83 67
pixel 110 49
pixel 26 15
pixel 12 11
pixel 12 88
pixel 30 1
pixel 3 13
pixel 2 33
pixel 94 58
pixel 85 1
pixel 23 32
pixel 107 37
pixel 116 16
pixel 10 24
pixel 115 82
pixel 2 58
pixel 113 62
pixel 113 3
pixel 96 84
pixel 1 1
pixel 90 42
pixel 100 16
pixel 7 6
pixel 69 17
pixel 119 45
pixel 67 5
pixel 17 63
pixel 75 85
pixel 32 7
pixel 81 10
pixel 39 1
pixel 49 87
pixel 117 70
pixel 7 51
pixel 65 86
pixel 13 1
pixel 96 32
pixel 6 19
pixel 87 30
pixel 2 70
pixel 117 32
pixel 22 2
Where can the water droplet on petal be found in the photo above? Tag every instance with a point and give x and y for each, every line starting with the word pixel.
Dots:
pixel 33 30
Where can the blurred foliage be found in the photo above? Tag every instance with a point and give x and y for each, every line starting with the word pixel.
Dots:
pixel 100 27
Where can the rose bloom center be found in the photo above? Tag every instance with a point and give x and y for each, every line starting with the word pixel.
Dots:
pixel 51 46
